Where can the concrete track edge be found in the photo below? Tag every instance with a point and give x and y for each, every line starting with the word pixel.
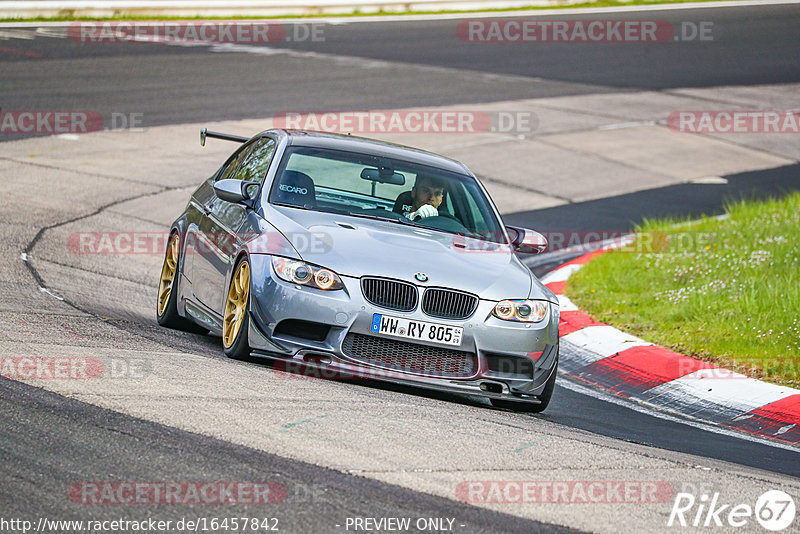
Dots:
pixel 604 357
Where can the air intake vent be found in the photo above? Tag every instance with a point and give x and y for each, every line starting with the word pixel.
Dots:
pixel 410 357
pixel 448 304
pixel 389 294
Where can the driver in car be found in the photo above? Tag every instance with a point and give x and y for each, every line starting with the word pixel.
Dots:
pixel 423 200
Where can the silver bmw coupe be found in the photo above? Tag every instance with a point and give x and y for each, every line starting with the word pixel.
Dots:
pixel 359 258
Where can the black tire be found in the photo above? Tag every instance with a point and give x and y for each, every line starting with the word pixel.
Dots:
pixel 169 316
pixel 240 348
pixel 530 407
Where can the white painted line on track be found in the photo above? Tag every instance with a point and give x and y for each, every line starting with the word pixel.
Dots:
pixel 633 124
pixel 645 409
pixel 354 61
pixel 45 290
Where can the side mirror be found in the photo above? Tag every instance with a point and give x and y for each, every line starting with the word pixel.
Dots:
pixel 526 241
pixel 231 190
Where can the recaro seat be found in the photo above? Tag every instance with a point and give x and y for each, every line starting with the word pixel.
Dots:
pixel 296 188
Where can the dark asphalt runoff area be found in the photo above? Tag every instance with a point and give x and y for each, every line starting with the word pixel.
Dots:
pixel 47 442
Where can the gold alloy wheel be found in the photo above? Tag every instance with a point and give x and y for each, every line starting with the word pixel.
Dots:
pixel 168 274
pixel 236 305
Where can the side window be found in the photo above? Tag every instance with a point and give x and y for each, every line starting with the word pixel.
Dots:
pixel 470 214
pixel 255 165
pixel 233 164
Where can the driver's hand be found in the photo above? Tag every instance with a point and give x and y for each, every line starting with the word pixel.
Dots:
pixel 425 211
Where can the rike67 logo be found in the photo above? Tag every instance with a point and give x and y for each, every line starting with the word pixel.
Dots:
pixel 774 510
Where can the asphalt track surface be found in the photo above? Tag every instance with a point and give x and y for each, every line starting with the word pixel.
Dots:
pixel 178 84
pixel 106 445
pixel 750 46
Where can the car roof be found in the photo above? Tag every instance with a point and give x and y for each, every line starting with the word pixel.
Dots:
pixel 372 147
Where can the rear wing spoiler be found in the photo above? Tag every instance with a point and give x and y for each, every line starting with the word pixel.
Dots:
pixel 216 135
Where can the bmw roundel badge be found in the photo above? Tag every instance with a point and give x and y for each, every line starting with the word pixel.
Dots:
pixel 422 277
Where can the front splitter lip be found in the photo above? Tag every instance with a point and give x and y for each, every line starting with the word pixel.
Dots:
pixel 328 366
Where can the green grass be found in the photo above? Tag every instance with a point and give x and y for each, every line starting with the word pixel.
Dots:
pixel 599 3
pixel 722 290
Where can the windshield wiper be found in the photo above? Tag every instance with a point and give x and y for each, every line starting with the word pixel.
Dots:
pixel 307 207
pixel 287 205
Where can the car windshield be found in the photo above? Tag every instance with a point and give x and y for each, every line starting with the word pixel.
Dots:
pixel 363 185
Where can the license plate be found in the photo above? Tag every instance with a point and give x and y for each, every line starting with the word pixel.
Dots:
pixel 412 329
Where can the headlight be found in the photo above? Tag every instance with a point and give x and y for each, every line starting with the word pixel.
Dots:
pixel 526 311
pixel 305 274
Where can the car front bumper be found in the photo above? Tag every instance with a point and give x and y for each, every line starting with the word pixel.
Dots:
pixel 507 360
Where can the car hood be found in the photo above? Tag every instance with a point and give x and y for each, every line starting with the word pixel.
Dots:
pixel 359 247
